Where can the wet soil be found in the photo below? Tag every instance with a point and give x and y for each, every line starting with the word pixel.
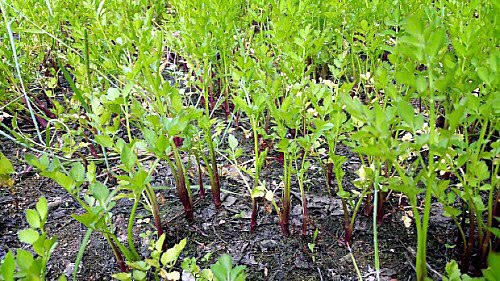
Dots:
pixel 266 253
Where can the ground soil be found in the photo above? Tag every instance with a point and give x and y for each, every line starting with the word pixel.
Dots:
pixel 266 253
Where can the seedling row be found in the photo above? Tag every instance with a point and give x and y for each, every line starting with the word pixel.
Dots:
pixel 410 88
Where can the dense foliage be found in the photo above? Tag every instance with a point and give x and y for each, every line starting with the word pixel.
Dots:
pixel 410 86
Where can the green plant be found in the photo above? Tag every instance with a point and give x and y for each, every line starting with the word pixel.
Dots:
pixel 253 105
pixel 223 270
pixel 161 263
pixel 97 204
pixel 312 245
pixel 6 169
pixel 25 265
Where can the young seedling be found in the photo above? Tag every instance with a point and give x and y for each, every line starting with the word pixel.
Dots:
pixel 25 264
pixel 251 100
pixel 162 144
pixel 97 203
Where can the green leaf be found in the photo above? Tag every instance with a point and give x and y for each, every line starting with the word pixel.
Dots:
pixel 139 265
pixel 233 142
pixel 42 208
pixel 76 90
pixel 223 269
pixel 91 172
pixel 495 231
pixel 122 276
pixel 8 267
pixel 32 160
pixel 104 140
pixel 99 191
pixel 62 179
pixel 343 194
pixel 311 247
pixel 28 235
pixel 113 94
pixel 435 42
pixel 5 165
pixel 159 243
pixel 33 218
pixel 139 275
pixel 24 259
pixel 128 157
pixel 456 117
pixel 492 273
pixel 406 112
pixel 258 191
pixel 87 219
pixel 238 273
pixel 421 84
pixel 77 172
pixel 171 255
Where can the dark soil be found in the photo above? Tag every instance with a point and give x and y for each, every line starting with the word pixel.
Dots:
pixel 267 255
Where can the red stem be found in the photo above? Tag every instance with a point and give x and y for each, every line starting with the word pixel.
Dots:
pixel 216 188
pixel 304 216
pixel 253 220
pixel 368 205
pixel 118 255
pixel 380 208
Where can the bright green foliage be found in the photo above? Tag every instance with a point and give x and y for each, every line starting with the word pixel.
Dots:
pixel 223 270
pixel 6 169
pixel 492 273
pixel 26 265
pixel 411 87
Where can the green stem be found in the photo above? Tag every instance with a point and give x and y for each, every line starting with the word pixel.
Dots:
pixel 117 253
pixel 358 205
pixel 79 256
pixel 18 70
pixel 130 228
pixel 155 208
pixel 421 264
pixel 374 214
